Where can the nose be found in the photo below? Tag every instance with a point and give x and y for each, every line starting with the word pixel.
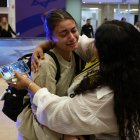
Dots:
pixel 71 36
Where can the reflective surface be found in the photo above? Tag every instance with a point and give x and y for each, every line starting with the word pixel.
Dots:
pixel 12 49
pixel 111 1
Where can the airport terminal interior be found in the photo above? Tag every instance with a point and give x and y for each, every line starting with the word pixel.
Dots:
pixel 30 31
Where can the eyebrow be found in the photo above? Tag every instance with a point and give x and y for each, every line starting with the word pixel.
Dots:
pixel 65 30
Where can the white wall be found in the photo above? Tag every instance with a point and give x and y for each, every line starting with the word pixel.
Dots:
pixel 74 7
pixel 12 18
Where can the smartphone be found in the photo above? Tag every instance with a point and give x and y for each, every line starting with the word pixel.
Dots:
pixel 7 70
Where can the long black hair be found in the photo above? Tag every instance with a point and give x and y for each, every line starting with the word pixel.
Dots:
pixel 118 46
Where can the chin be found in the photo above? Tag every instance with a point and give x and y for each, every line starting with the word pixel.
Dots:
pixel 74 46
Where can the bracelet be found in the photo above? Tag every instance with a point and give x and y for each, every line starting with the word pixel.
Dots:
pixel 30 85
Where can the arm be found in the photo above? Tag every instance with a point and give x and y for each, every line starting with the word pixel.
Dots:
pixel 85 48
pixel 38 54
pixel 83 114
pixel 45 77
pixel 11 30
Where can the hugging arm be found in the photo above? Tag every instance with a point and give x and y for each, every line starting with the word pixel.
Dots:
pixel 84 50
pixel 80 115
pixel 38 54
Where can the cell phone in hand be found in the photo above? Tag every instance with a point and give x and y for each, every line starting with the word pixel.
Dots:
pixel 7 71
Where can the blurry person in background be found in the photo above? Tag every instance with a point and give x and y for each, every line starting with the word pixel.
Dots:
pixel 105 19
pixel 137 25
pixel 87 29
pixel 123 19
pixel 5 29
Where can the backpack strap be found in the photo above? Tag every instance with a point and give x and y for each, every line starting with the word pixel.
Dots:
pixel 80 63
pixel 57 77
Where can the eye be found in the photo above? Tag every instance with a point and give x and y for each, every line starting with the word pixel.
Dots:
pixel 74 30
pixel 63 34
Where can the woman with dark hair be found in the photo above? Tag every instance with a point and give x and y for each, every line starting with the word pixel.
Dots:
pixel 5 28
pixel 107 100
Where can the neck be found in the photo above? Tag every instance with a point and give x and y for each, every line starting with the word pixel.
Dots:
pixel 65 54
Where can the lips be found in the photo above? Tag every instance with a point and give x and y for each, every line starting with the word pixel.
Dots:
pixel 72 44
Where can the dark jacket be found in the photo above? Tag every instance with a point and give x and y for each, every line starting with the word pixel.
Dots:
pixel 8 33
pixel 87 29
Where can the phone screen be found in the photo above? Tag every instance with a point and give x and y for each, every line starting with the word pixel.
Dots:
pixel 7 70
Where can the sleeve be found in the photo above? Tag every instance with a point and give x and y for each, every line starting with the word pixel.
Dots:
pixel 85 48
pixel 11 30
pixel 74 116
pixel 45 77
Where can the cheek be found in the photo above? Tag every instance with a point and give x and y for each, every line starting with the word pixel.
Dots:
pixel 76 35
pixel 61 42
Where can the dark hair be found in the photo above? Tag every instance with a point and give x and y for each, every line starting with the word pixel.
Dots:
pixel 123 19
pixel 88 19
pixel 118 45
pixel 52 18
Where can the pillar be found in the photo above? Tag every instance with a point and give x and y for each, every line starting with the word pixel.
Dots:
pixel 74 7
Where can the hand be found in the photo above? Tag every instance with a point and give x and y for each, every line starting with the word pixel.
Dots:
pixel 69 137
pixel 37 55
pixel 22 81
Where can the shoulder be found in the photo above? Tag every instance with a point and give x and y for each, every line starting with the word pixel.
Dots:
pixel 103 91
pixel 48 61
pixel 85 41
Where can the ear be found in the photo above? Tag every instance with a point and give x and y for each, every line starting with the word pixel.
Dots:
pixel 50 39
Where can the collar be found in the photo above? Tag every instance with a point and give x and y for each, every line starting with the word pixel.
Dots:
pixel 101 92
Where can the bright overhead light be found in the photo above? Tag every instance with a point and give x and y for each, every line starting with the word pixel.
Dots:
pixel 84 2
pixel 100 2
pixel 93 8
pixel 134 10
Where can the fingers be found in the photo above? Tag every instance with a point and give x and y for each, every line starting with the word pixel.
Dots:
pixel 35 62
pixel 41 54
pixel 16 74
pixel 37 55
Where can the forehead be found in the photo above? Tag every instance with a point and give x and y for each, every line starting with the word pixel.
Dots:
pixel 65 25
pixel 3 18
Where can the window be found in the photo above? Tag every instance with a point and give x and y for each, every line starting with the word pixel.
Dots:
pixel 3 3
